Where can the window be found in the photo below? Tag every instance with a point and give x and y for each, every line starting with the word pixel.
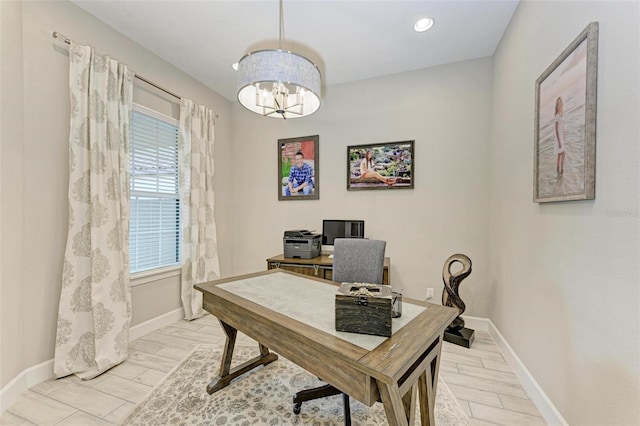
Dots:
pixel 154 223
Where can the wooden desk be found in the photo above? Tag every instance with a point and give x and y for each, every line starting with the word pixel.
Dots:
pixel 400 369
pixel 320 267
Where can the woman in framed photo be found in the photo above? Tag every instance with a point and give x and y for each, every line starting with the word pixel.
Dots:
pixel 367 170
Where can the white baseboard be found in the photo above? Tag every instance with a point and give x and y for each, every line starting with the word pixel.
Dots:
pixel 44 371
pixel 153 324
pixel 23 381
pixel 476 323
pixel 548 410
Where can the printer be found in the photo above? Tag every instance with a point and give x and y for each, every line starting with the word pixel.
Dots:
pixel 302 244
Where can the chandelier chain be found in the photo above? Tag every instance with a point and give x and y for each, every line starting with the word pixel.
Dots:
pixel 281 25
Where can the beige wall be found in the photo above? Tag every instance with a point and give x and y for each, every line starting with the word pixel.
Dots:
pixel 446 110
pixel 35 172
pixel 11 192
pixel 565 276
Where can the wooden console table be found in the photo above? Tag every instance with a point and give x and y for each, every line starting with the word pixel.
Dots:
pixel 320 267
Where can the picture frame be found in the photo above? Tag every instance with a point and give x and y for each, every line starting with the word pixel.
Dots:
pixel 565 123
pixel 298 159
pixel 388 165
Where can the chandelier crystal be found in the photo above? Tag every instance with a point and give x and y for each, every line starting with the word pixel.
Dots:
pixel 278 83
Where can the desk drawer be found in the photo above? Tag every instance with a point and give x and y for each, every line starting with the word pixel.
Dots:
pixel 319 267
pixel 311 270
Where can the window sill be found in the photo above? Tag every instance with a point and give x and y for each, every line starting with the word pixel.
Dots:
pixel 145 277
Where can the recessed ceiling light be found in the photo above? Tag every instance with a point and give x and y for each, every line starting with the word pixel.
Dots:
pixel 235 66
pixel 423 25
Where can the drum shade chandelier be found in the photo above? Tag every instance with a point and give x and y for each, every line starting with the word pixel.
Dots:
pixel 278 83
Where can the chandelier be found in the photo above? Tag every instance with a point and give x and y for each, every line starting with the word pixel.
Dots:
pixel 278 83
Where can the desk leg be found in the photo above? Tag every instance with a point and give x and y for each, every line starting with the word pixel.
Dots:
pixel 409 402
pixel 229 346
pixel 394 405
pixel 421 384
pixel 427 387
pixel 426 401
pixel 227 374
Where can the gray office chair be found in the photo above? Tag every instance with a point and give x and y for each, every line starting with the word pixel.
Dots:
pixel 354 260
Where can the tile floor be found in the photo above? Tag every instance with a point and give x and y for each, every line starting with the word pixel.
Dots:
pixel 484 385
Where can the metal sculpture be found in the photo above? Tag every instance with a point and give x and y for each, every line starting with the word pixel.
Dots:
pixel 456 331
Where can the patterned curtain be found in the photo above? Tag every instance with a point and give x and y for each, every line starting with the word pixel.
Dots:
pixel 95 302
pixel 199 243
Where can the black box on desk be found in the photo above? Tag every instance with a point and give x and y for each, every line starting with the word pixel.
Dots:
pixel 364 308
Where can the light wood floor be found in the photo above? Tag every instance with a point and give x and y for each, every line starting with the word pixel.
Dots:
pixel 479 377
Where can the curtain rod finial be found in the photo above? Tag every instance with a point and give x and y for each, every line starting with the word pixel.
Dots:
pixel 62 36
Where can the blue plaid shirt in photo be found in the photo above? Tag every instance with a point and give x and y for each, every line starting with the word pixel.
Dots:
pixel 301 175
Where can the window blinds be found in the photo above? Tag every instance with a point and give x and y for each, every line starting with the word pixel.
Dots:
pixel 154 224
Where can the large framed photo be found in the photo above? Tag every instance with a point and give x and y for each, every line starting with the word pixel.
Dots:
pixel 298 168
pixel 565 123
pixel 389 165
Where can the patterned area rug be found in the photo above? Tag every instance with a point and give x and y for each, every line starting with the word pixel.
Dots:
pixel 260 397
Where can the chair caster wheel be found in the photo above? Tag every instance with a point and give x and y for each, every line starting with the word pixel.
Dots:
pixel 297 407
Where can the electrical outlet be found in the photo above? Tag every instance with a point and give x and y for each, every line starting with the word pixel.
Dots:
pixel 430 293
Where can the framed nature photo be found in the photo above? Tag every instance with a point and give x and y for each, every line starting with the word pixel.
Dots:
pixel 381 166
pixel 298 168
pixel 565 123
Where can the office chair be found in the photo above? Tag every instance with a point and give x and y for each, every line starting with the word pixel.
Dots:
pixel 354 260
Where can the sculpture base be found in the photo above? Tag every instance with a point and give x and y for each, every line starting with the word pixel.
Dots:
pixel 463 337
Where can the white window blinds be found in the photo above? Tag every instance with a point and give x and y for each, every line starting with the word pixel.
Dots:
pixel 154 231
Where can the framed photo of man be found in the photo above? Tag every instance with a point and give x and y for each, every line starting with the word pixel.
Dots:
pixel 298 168
pixel 565 123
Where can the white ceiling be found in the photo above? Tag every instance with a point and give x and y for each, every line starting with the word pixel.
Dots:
pixel 348 40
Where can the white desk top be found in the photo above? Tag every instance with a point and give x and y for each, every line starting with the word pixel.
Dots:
pixel 314 304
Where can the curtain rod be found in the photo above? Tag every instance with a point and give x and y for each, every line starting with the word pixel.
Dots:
pixel 67 40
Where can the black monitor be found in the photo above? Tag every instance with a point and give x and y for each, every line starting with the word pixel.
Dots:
pixel 332 229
